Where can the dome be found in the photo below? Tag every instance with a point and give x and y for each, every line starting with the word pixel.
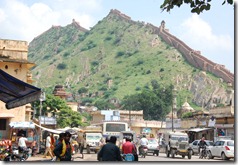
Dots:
pixel 186 106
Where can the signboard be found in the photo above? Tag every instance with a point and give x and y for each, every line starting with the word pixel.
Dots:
pixel 176 123
pixel 48 120
pixel 146 130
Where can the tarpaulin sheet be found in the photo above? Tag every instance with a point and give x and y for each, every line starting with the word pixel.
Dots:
pixel 23 124
pixel 15 92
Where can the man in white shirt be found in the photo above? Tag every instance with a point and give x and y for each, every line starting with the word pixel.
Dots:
pixel 22 142
pixel 143 142
pixel 47 147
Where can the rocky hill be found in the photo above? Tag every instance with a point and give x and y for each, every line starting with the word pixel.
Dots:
pixel 119 56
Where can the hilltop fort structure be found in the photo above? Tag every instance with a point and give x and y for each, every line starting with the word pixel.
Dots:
pixel 193 57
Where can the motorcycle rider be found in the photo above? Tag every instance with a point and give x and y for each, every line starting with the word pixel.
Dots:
pixel 201 145
pixel 129 148
pixel 22 143
pixel 143 142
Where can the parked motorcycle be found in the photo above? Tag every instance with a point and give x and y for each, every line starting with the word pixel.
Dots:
pixel 23 153
pixel 10 156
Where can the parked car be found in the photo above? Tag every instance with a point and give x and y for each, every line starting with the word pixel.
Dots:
pixel 223 149
pixel 195 147
pixel 153 146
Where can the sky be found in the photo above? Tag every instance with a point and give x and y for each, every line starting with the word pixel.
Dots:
pixel 211 32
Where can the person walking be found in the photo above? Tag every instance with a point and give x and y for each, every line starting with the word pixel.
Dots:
pixel 109 151
pixel 48 147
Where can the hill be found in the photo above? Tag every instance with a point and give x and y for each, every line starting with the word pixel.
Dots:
pixel 118 57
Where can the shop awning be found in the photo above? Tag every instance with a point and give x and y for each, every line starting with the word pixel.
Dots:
pixel 22 125
pixel 199 129
pixel 48 129
pixel 15 92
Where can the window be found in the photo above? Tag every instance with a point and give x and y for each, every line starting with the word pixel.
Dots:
pixel 3 124
pixel 195 143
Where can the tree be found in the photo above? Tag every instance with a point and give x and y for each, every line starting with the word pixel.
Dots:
pixel 103 104
pixel 197 6
pixel 65 116
pixel 155 103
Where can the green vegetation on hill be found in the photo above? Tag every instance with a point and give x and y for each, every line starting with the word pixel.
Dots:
pixel 114 49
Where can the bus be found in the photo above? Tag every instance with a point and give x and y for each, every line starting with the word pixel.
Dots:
pixel 111 128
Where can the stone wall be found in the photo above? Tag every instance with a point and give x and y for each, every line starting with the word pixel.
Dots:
pixel 13 49
pixel 194 57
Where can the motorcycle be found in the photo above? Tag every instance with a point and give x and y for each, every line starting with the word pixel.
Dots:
pixel 143 151
pixel 22 153
pixel 203 153
pixel 10 156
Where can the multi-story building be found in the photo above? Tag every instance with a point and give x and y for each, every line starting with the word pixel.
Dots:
pixel 13 61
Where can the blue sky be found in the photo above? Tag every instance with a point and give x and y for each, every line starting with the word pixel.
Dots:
pixel 211 32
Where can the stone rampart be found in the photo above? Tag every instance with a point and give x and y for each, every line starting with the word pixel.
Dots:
pixel 194 58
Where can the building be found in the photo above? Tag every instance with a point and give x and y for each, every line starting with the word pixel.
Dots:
pixel 133 118
pixel 13 60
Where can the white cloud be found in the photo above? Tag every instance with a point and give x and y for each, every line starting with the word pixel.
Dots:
pixel 198 35
pixel 199 32
pixel 21 21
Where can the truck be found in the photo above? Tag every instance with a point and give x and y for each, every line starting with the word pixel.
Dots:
pixel 178 144
pixel 91 137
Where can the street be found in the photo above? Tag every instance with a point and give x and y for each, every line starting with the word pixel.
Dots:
pixel 162 157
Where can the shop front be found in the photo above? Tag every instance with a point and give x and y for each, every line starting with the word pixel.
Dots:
pixel 224 130
pixel 23 128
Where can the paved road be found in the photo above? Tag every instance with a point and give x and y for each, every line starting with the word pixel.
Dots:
pixel 162 157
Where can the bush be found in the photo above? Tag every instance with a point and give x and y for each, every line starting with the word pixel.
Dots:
pixel 82 90
pixel 94 63
pixel 162 69
pixel 108 38
pixel 61 66
pixel 187 115
pixel 119 54
pixel 66 54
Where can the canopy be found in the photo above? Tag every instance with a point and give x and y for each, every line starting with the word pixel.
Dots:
pixel 48 129
pixel 15 92
pixel 23 125
pixel 198 129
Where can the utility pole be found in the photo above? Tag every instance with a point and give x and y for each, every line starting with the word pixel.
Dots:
pixel 130 119
pixel 42 98
pixel 174 106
